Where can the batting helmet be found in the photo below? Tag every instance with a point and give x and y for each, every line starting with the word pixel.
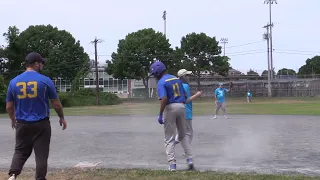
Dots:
pixel 157 68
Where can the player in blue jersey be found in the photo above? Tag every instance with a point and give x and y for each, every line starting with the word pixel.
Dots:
pixel 220 94
pixel 182 74
pixel 27 104
pixel 249 96
pixel 172 113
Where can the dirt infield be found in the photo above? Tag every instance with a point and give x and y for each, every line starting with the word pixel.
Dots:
pixel 255 143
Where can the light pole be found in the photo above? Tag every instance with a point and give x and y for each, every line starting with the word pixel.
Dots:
pixel 164 17
pixel 270 2
pixel 224 41
pixel 266 37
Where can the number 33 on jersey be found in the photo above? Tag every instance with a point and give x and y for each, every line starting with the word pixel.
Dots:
pixel 27 89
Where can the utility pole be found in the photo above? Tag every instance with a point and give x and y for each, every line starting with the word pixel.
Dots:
pixel 164 17
pixel 266 37
pixel 270 2
pixel 224 41
pixel 95 42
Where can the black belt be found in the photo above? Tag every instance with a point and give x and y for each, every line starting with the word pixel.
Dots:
pixel 32 122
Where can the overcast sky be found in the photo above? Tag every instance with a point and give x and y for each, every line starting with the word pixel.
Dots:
pixel 295 34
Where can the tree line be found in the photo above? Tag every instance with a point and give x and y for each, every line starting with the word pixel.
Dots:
pixel 197 52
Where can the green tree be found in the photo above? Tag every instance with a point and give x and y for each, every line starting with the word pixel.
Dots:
pixel 285 71
pixel 252 73
pixel 12 53
pixel 136 52
pixel 66 58
pixel 2 60
pixel 265 73
pixel 201 53
pixel 312 66
pixel 3 90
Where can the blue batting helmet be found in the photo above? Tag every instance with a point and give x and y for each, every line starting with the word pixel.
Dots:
pixel 157 68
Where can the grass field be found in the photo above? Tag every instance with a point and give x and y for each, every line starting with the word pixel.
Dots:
pixel 278 106
pixel 137 174
pixel 284 106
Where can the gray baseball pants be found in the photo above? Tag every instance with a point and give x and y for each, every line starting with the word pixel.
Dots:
pixel 221 105
pixel 189 132
pixel 174 117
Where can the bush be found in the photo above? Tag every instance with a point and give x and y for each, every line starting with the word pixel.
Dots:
pixel 87 97
pixel 65 99
pixel 3 90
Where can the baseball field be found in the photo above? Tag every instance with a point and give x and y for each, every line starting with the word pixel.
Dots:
pixel 266 139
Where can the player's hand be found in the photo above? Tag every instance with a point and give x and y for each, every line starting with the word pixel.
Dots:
pixel 160 119
pixel 13 124
pixel 199 93
pixel 63 123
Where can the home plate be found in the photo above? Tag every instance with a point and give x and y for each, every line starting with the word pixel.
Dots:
pixel 87 165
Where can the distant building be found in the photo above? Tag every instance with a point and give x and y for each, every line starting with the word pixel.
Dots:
pixel 106 83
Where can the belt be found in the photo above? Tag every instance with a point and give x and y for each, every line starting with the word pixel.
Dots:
pixel 32 122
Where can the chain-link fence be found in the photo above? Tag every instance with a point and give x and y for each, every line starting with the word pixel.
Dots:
pixel 281 86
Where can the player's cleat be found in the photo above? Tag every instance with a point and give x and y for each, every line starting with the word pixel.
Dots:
pixel 13 177
pixel 215 117
pixel 225 116
pixel 173 167
pixel 190 164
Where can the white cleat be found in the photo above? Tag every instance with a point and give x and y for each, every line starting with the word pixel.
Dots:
pixel 226 117
pixel 215 117
pixel 12 177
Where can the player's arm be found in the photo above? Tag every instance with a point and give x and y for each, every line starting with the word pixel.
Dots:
pixel 195 96
pixel 53 96
pixel 10 103
pixel 162 96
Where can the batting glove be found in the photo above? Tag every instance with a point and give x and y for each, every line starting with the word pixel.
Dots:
pixel 160 120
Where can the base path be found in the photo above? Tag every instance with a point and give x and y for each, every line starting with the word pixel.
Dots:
pixel 255 143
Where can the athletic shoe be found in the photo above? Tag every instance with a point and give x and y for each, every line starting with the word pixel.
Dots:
pixel 13 177
pixel 190 164
pixel 215 117
pixel 225 116
pixel 172 167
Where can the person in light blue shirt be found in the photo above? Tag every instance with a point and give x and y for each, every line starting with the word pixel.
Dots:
pixel 249 96
pixel 182 74
pixel 220 96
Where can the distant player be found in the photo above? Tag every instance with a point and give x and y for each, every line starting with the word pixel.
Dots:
pixel 182 74
pixel 28 108
pixel 172 113
pixel 220 94
pixel 249 95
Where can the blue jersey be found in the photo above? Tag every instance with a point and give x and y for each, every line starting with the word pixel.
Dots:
pixel 220 94
pixel 188 106
pixel 171 87
pixel 30 92
pixel 249 94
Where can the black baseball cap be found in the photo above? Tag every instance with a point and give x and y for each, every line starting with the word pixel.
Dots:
pixel 34 57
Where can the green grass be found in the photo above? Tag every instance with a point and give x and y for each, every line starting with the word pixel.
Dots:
pixel 276 106
pixel 138 174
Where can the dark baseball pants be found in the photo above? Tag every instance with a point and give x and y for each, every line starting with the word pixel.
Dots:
pixel 32 136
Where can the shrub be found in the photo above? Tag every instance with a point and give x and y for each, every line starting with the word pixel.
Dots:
pixel 65 99
pixel 3 90
pixel 87 97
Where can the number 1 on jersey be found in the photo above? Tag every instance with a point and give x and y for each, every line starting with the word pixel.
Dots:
pixel 176 90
